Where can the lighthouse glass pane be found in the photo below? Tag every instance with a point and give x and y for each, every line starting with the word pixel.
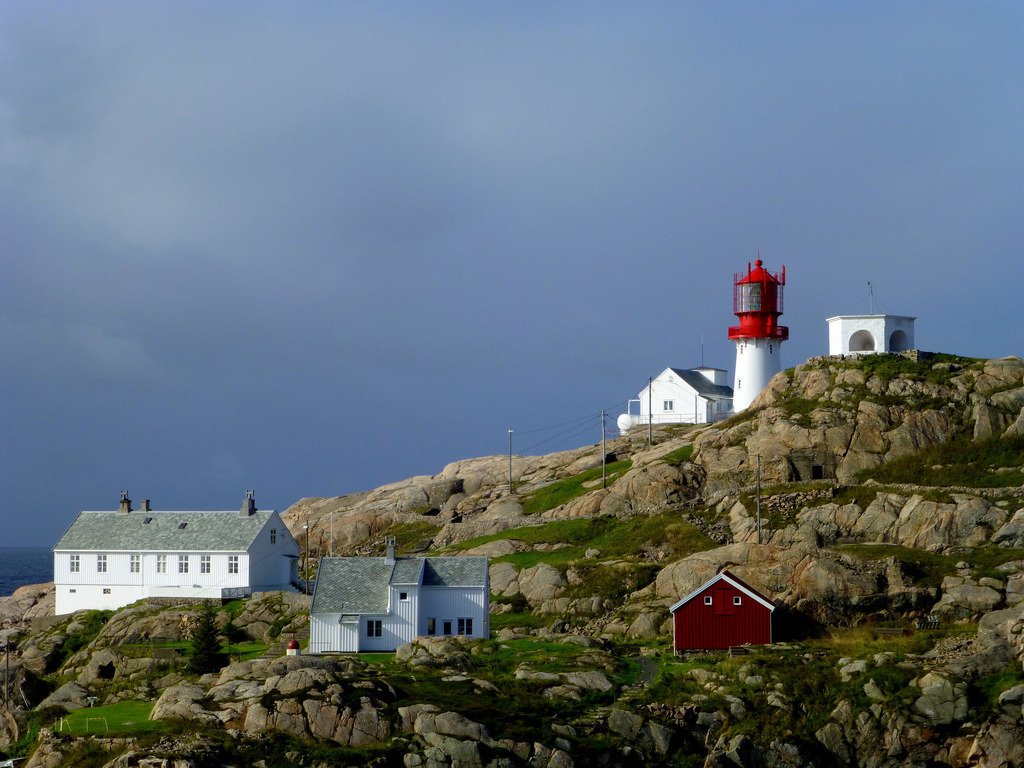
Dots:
pixel 750 297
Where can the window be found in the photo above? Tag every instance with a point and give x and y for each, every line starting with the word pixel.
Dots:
pixel 72 591
pixel 135 564
pixel 181 526
pixel 101 563
pixel 707 599
pixel 374 628
pixel 182 563
pixel 106 590
pixel 273 535
pixel 447 627
pixel 431 626
pixel 403 595
pixel 466 626
pixel 204 563
pixel 737 600
pixel 232 563
pixel 668 404
pixel 161 563
pixel 75 563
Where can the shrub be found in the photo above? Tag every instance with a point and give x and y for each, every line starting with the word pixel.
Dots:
pixel 205 644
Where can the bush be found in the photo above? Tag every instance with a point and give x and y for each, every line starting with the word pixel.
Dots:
pixel 205 644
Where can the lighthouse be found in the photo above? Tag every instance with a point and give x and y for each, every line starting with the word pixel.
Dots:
pixel 757 302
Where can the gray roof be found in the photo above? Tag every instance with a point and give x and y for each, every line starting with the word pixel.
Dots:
pixel 358 585
pixel 202 531
pixel 702 384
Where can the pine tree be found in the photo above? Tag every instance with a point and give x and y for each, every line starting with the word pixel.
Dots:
pixel 205 643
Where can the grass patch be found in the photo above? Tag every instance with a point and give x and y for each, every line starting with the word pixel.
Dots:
pixel 522 619
pixel 611 536
pixel 929 568
pixel 678 456
pixel 559 492
pixel 983 693
pixel 123 718
pixel 614 581
pixel 961 462
pixel 409 537
pixel 926 568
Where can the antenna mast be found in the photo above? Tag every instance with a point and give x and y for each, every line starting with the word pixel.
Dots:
pixel 871 298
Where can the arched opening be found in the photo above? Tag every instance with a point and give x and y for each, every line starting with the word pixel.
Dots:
pixel 899 342
pixel 862 341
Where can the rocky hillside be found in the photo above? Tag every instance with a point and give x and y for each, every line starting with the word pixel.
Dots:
pixel 892 539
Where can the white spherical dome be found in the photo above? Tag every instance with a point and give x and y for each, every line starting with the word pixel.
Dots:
pixel 624 422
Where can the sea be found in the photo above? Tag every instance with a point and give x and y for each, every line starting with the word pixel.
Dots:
pixel 24 565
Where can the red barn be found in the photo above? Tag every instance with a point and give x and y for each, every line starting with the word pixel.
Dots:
pixel 723 612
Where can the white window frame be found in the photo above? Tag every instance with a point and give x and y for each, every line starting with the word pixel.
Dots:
pixel 101 563
pixel 135 563
pixel 204 563
pixel 737 600
pixel 273 535
pixel 464 625
pixel 431 626
pixel 182 563
pixel 233 564
pixel 75 563
pixel 708 600
pixel 106 590
pixel 161 563
pixel 668 405
pixel 374 628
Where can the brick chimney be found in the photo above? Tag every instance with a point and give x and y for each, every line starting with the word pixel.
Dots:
pixel 125 505
pixel 249 505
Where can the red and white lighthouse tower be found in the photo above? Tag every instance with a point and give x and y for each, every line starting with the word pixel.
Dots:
pixel 757 302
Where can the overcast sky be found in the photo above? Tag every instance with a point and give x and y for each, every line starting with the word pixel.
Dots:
pixel 311 248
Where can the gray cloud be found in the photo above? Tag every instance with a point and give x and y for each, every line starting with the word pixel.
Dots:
pixel 312 249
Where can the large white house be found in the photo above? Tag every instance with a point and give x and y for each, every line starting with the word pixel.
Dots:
pixel 107 560
pixel 680 396
pixel 378 603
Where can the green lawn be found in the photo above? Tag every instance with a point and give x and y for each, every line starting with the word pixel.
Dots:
pixel 561 491
pixel 123 718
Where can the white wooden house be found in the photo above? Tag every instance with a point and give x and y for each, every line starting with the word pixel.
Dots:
pixel 379 603
pixel 107 560
pixel 680 396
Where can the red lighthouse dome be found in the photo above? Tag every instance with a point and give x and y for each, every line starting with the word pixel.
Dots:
pixel 757 302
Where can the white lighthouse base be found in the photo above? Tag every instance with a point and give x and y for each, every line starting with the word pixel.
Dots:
pixel 757 360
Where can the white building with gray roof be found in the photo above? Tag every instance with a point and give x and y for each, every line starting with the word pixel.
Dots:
pixel 106 560
pixel 379 603
pixel 680 396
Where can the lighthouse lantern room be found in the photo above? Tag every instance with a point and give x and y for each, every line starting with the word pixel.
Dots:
pixel 757 302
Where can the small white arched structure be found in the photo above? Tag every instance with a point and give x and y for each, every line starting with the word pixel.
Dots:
pixel 865 334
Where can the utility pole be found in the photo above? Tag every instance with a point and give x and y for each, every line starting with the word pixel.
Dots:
pixel 305 553
pixel 759 498
pixel 650 411
pixel 7 674
pixel 510 461
pixel 604 456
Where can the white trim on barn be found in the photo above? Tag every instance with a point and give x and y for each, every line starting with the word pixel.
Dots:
pixel 723 576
